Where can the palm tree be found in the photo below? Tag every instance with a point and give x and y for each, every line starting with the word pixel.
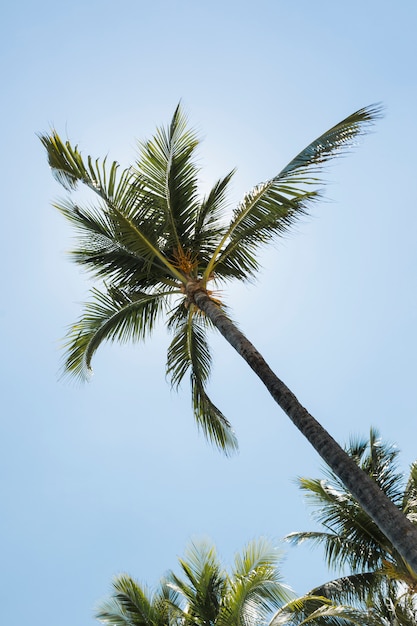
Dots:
pixel 157 247
pixel 379 574
pixel 205 594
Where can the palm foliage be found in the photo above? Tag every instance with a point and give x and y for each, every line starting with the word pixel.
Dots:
pixel 203 594
pixel 150 239
pixel 379 576
pixel 317 610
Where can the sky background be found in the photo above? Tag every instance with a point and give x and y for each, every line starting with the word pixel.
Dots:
pixel 113 476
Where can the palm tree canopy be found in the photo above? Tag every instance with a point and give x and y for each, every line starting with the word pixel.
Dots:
pixel 379 575
pixel 150 239
pixel 316 610
pixel 204 594
pixel 351 538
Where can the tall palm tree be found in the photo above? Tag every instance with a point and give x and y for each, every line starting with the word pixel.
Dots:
pixel 204 594
pixel 379 574
pixel 157 247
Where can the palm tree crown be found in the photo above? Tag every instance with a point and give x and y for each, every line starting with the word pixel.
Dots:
pixel 204 594
pixel 378 574
pixel 152 241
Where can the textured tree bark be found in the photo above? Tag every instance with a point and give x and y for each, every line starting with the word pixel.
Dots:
pixel 391 521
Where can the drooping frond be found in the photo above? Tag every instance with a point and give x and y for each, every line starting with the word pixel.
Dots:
pixel 189 353
pixel 353 589
pixel 272 207
pixel 115 315
pixel 319 611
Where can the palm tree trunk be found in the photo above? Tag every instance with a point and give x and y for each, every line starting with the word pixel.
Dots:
pixel 391 521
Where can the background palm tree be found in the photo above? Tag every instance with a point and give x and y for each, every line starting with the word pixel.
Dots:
pixel 204 594
pixel 379 576
pixel 157 247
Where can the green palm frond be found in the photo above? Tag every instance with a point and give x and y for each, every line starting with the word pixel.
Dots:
pixel 246 597
pixel 266 211
pixel 167 169
pixel 390 601
pixel 258 554
pixel 69 169
pixel 209 226
pixel 133 219
pixel 337 141
pixel 115 315
pixel 103 251
pixel 189 353
pixel 204 585
pixel 351 535
pixel 272 207
pixel 319 611
pixel 256 588
pixel 353 589
pixel 133 605
pixel 380 461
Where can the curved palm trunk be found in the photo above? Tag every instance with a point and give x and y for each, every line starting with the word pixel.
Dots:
pixel 391 521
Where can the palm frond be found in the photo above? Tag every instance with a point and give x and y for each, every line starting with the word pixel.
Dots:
pixel 166 167
pixel 320 611
pixel 204 584
pixel 351 537
pixel 337 141
pixel 257 554
pixel 124 198
pixel 104 252
pixel 353 589
pixel 69 168
pixel 133 605
pixel 209 226
pixel 255 588
pixel 380 461
pixel 189 353
pixel 272 207
pixel 115 315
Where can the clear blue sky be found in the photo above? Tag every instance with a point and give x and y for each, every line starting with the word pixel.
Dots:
pixel 112 476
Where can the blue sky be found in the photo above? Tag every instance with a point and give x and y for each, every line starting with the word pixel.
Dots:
pixel 113 476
